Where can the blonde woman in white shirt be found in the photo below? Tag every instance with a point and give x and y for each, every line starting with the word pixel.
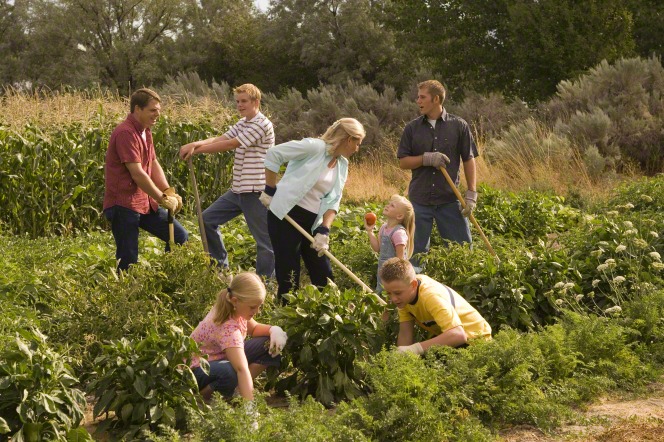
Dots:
pixel 309 192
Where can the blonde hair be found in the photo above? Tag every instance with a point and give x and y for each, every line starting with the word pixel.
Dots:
pixel 408 221
pixel 340 131
pixel 251 90
pixel 397 269
pixel 435 89
pixel 246 287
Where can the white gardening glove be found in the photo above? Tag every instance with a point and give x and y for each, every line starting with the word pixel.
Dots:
pixel 471 202
pixel 169 202
pixel 435 159
pixel 252 412
pixel 321 240
pixel 416 348
pixel 265 199
pixel 278 338
pixel 266 195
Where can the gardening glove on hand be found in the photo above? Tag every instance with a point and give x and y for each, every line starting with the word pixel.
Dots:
pixel 171 192
pixel 278 338
pixel 435 159
pixel 471 202
pixel 321 240
pixel 266 195
pixel 415 348
pixel 169 202
pixel 251 411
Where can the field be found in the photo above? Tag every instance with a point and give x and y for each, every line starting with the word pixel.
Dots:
pixel 576 303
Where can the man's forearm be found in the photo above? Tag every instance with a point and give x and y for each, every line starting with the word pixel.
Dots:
pixel 218 145
pixel 409 163
pixel 470 171
pixel 146 184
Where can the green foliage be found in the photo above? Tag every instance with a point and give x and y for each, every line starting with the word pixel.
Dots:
pixel 38 398
pixel 329 331
pixel 53 179
pixel 645 315
pixel 146 383
pixel 628 93
pixel 306 421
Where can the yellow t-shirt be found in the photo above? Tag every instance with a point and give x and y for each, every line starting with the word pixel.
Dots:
pixel 432 307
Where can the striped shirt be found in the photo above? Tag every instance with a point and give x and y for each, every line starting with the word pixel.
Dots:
pixel 255 136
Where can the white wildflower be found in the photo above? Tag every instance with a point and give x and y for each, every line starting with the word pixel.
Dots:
pixel 612 310
pixel 629 206
pixel 621 248
pixel 628 224
pixel 646 198
pixel 591 295
pixel 602 267
pixel 654 234
pixel 596 282
pixel 654 255
pixel 657 265
pixel 619 279
pixel 611 263
pixel 630 232
pixel 559 285
pixel 640 243
pixel 559 301
pixel 603 244
pixel 579 297
pixel 648 222
pixel 612 213
pixel 568 285
pixel 597 253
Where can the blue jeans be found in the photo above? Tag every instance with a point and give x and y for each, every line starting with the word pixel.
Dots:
pixel 125 224
pixel 228 206
pixel 222 376
pixel 451 224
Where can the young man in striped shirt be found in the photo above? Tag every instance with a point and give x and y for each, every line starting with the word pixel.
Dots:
pixel 250 138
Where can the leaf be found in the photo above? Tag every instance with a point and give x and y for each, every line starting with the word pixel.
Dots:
pixel 324 319
pixel 22 346
pixel 139 386
pixel 4 426
pixel 79 434
pixel 126 412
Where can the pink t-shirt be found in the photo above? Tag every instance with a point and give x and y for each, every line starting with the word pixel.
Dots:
pixel 400 237
pixel 213 339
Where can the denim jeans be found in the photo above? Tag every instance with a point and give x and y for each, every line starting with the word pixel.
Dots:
pixel 125 224
pixel 452 226
pixel 222 376
pixel 228 206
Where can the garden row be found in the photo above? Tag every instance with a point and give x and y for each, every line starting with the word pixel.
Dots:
pixel 588 301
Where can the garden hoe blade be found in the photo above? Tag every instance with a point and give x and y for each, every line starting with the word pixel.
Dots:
pixel 194 186
pixel 335 260
pixel 472 217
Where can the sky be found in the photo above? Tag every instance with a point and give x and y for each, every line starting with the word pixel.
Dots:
pixel 262 4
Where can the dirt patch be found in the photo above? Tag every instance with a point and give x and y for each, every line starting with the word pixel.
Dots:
pixel 608 420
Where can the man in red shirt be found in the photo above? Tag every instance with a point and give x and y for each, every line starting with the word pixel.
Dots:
pixel 135 182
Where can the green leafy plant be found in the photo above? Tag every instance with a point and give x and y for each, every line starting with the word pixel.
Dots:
pixel 146 383
pixel 38 398
pixel 329 331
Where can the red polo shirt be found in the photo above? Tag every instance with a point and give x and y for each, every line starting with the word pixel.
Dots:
pixel 127 146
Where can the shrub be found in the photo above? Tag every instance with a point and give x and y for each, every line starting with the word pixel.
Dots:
pixel 146 383
pixel 628 92
pixel 329 331
pixel 38 400
pixel 645 315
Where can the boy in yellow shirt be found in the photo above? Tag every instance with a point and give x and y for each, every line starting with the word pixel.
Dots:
pixel 434 306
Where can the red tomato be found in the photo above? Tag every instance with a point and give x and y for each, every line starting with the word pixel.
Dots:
pixel 370 218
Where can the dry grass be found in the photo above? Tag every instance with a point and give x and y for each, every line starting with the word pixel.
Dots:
pixel 374 180
pixel 89 108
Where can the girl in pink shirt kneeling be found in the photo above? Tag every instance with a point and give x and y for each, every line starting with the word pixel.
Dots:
pixel 221 335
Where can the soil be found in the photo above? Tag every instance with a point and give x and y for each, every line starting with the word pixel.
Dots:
pixel 611 419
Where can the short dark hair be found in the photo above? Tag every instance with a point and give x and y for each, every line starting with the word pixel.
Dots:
pixel 396 269
pixel 141 98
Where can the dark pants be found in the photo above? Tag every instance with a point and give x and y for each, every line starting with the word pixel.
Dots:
pixel 125 224
pixel 289 245
pixel 223 378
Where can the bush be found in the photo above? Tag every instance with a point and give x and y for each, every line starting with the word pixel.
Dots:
pixel 38 400
pixel 628 92
pixel 145 384
pixel 329 331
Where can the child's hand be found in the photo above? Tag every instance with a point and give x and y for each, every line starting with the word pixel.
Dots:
pixel 369 228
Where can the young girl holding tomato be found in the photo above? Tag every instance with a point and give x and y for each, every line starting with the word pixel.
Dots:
pixel 221 335
pixel 395 236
